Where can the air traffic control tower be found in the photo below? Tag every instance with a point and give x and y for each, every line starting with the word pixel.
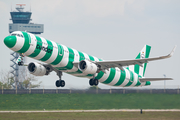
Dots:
pixel 21 22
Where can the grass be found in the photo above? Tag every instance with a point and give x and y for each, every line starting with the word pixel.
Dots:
pixel 88 101
pixel 92 116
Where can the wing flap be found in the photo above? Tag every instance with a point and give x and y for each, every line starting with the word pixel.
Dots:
pixel 120 64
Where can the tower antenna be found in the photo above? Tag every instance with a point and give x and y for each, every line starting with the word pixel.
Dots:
pixel 11 7
pixel 30 7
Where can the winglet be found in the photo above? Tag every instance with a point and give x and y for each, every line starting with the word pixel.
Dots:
pixel 172 52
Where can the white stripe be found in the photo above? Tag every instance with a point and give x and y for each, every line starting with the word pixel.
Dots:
pixel 19 44
pixel 95 58
pixel 105 76
pixel 86 56
pixel 141 69
pixel 131 68
pixel 116 78
pixel 126 79
pixel 32 45
pixel 143 84
pixel 65 58
pixel 42 52
pixel 54 53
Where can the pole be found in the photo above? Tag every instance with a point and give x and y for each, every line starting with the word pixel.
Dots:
pixel 16 89
pixel 30 89
pixel 123 90
pixel 2 89
pixel 164 84
pixel 178 90
pixel 56 90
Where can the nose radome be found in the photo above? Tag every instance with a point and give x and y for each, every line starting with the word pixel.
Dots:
pixel 10 41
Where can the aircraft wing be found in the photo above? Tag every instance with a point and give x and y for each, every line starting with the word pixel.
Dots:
pixel 111 64
pixel 153 79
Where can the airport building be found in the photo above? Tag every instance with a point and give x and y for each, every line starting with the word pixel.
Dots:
pixel 21 22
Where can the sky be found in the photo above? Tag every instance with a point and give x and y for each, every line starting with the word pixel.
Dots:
pixel 107 29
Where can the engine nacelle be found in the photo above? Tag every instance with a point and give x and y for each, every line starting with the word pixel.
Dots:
pixel 87 67
pixel 36 69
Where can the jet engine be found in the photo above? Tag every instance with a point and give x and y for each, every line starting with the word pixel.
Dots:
pixel 37 69
pixel 87 67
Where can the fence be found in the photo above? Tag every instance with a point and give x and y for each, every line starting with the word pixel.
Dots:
pixel 88 91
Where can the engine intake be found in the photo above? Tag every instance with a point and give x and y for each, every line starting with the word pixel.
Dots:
pixel 36 69
pixel 87 67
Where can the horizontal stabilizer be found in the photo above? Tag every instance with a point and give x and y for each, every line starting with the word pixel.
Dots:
pixel 153 79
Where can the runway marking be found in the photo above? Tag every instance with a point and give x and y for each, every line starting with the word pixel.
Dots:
pixel 103 110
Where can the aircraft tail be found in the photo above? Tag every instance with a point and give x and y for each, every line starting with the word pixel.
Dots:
pixel 141 68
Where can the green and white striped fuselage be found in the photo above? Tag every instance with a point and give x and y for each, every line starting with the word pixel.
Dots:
pixel 61 57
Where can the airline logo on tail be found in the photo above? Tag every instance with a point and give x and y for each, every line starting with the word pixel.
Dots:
pixel 59 58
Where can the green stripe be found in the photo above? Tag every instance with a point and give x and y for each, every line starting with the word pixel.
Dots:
pixel 148 48
pixel 81 56
pixel 71 59
pixel 111 76
pixel 131 78
pixel 100 74
pixel 26 43
pixel 100 59
pixel 91 58
pixel 148 83
pixel 136 66
pixel 36 51
pixel 48 54
pixel 59 57
pixel 122 78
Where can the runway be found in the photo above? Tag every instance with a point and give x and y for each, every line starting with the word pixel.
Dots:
pixel 103 110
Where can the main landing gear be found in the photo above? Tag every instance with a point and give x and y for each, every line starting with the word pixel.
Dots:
pixel 93 81
pixel 60 83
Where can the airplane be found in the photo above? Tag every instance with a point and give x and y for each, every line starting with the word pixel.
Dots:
pixel 60 58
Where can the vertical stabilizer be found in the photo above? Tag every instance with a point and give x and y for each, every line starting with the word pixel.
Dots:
pixel 144 53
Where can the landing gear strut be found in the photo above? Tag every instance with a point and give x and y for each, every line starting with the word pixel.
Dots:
pixel 93 82
pixel 60 83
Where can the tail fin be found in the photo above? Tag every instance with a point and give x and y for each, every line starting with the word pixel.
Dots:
pixel 144 53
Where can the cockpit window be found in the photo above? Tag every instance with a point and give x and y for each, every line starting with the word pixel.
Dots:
pixel 19 35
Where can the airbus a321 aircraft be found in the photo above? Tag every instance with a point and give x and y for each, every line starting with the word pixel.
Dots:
pixel 59 58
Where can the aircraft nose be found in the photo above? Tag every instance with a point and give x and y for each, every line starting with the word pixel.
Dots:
pixel 10 41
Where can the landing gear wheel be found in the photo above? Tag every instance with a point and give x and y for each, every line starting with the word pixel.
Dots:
pixel 96 82
pixel 60 83
pixel 93 82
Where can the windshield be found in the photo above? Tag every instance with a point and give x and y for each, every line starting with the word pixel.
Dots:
pixel 19 35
